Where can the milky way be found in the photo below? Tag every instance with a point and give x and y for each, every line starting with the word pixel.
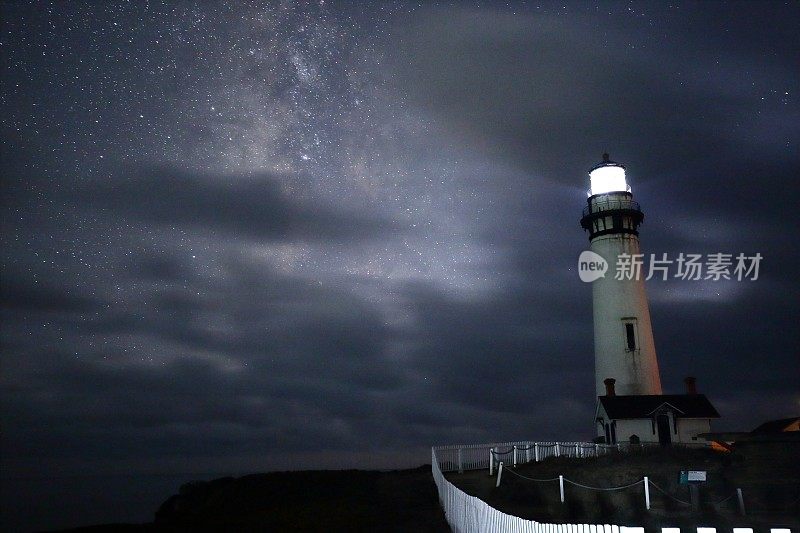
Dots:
pixel 249 236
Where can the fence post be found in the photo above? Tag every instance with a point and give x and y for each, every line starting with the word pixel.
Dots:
pixel 515 456
pixel 694 493
pixel 741 502
pixel 536 450
pixel 558 450
pixel 499 474
pixel 646 493
pixel 491 461
pixel 596 450
pixel 528 453
pixel 561 487
pixel 577 453
pixel 460 462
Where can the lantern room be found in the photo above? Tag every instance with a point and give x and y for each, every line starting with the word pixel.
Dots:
pixel 608 177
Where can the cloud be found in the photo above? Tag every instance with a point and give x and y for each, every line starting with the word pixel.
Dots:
pixel 250 206
pixel 550 93
pixel 20 298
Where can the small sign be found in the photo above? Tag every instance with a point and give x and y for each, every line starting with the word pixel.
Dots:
pixel 692 476
pixel 696 475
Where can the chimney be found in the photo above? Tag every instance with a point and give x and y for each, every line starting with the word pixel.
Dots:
pixel 691 385
pixel 609 383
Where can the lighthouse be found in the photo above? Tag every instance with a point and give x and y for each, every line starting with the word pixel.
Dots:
pixel 624 352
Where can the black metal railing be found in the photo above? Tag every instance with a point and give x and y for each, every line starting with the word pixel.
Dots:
pixel 611 205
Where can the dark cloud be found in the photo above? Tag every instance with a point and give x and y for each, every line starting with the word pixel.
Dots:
pixel 18 297
pixel 249 206
pixel 548 92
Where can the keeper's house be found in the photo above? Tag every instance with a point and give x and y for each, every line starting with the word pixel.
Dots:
pixel 653 418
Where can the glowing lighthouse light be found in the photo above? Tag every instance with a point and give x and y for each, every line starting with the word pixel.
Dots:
pixel 608 176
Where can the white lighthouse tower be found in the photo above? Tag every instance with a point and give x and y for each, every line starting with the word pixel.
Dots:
pixel 624 350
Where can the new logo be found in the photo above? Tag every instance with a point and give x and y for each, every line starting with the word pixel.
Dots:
pixel 591 266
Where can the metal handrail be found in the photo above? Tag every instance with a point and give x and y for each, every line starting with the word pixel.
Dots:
pixel 610 205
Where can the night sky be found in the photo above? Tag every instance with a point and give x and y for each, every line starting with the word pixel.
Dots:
pixel 246 236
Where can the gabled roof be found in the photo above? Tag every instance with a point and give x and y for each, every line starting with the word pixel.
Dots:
pixel 645 406
pixel 778 426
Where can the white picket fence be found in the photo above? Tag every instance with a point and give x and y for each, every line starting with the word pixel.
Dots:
pixel 469 514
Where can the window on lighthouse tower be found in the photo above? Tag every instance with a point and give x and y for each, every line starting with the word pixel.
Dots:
pixel 630 336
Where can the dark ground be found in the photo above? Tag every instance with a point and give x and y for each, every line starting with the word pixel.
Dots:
pixel 348 500
pixel 406 500
pixel 770 482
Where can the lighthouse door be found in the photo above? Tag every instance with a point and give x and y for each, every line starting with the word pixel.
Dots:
pixel 664 435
